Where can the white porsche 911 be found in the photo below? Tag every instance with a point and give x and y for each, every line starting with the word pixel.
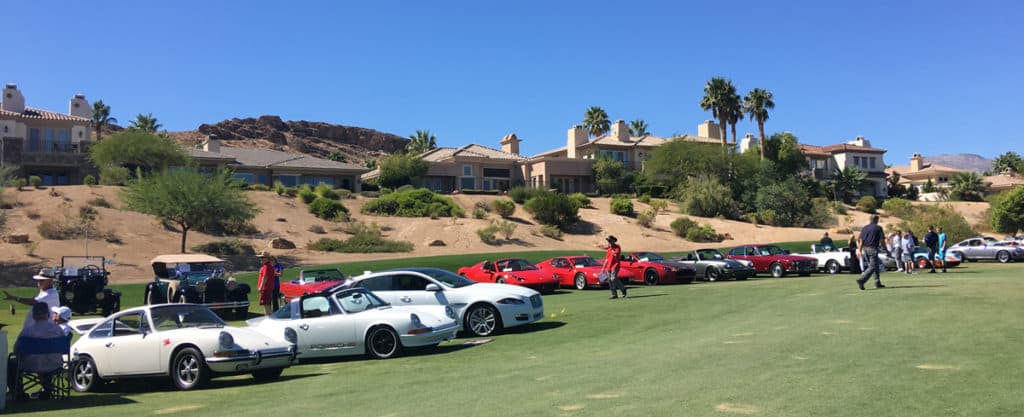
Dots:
pixel 186 342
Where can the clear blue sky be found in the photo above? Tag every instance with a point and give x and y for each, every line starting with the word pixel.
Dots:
pixel 911 76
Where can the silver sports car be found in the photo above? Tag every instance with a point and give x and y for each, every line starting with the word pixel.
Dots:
pixel 712 266
pixel 976 248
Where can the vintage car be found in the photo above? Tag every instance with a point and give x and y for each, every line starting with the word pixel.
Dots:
pixel 981 248
pixel 952 260
pixel 652 269
pixel 888 262
pixel 774 260
pixel 514 271
pixel 186 342
pixel 579 272
pixel 353 321
pixel 481 309
pixel 198 279
pixel 711 265
pixel 830 259
pixel 81 283
pixel 312 281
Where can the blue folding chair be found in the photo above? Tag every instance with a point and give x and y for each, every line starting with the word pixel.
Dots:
pixel 26 382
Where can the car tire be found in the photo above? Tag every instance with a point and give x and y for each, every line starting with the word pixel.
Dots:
pixel 268 374
pixel 382 343
pixel 580 281
pixel 776 270
pixel 482 320
pixel 84 377
pixel 500 280
pixel 1003 256
pixel 832 267
pixel 651 277
pixel 711 274
pixel 922 263
pixel 188 370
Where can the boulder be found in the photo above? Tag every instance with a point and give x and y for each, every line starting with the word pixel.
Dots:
pixel 281 243
pixel 16 238
pixel 436 242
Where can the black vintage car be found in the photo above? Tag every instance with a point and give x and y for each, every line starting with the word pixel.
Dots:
pixel 196 279
pixel 81 283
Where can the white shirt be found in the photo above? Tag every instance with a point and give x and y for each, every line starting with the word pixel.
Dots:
pixel 49 296
pixel 897 243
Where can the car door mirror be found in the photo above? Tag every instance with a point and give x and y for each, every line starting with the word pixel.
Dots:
pixel 432 287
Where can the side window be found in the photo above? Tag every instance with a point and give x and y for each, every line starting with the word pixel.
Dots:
pixel 751 252
pixel 103 329
pixel 128 324
pixel 410 283
pixel 315 307
pixel 377 284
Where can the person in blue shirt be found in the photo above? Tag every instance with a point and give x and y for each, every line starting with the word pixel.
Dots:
pixel 942 248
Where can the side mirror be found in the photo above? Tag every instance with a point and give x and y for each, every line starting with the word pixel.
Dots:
pixel 432 287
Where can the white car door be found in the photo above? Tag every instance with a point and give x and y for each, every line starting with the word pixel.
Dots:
pixel 411 289
pixel 323 329
pixel 131 347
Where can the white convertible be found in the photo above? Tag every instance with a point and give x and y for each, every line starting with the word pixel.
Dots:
pixel 353 321
pixel 187 342
pixel 830 259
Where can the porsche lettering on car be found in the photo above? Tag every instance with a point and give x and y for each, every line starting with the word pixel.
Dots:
pixel 514 271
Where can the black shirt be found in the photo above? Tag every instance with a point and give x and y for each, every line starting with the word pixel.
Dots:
pixel 871 235
pixel 826 241
pixel 931 240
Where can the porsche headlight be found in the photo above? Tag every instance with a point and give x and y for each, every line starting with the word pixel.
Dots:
pixel 510 300
pixel 669 269
pixel 226 340
pixel 291 336
pixel 449 311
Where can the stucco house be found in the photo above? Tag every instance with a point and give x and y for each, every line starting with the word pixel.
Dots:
pixel 1003 181
pixel 51 145
pixel 824 161
pixel 919 172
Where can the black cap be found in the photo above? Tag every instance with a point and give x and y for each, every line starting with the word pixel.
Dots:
pixel 611 239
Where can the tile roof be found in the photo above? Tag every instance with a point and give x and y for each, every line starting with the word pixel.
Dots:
pixel 39 114
pixel 812 150
pixel 471 150
pixel 837 148
pixel 252 157
pixel 1003 181
pixel 904 170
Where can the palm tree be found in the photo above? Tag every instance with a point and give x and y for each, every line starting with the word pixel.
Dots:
pixel 638 128
pixel 846 181
pixel 1007 161
pixel 966 185
pixel 717 93
pixel 595 120
pixel 735 109
pixel 756 104
pixel 101 117
pixel 145 123
pixel 421 142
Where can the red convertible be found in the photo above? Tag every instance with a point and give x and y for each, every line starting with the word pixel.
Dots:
pixel 515 271
pixel 653 269
pixel 774 260
pixel 579 272
pixel 311 281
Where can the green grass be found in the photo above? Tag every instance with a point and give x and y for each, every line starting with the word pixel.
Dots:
pixel 774 347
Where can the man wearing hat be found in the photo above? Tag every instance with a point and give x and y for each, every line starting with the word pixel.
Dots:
pixel 265 284
pixel 611 265
pixel 47 293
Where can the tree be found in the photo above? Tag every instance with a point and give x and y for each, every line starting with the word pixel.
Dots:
pixel 896 190
pixel 101 117
pixel 595 120
pixel 966 186
pixel 371 164
pixel 1007 161
pixel 145 123
pixel 784 150
pixel 421 141
pixel 400 169
pixel 137 149
pixel 336 157
pixel 756 104
pixel 190 199
pixel 608 174
pixel 1008 211
pixel 847 181
pixel 929 186
pixel 718 92
pixel 638 128
pixel 735 109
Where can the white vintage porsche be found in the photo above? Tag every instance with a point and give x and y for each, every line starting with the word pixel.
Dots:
pixel 187 342
pixel 353 321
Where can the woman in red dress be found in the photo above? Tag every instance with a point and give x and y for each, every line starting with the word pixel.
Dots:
pixel 265 284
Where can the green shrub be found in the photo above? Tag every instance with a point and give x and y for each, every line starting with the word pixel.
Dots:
pixel 867 204
pixel 479 213
pixel 504 208
pixel 404 188
pixel 703 233
pixel 486 234
pixel 259 187
pixel 328 209
pixel 551 231
pixel 767 216
pixel 386 191
pixel 839 207
pixel 646 199
pixel 279 188
pixel 21 183
pixel 622 207
pixel 707 197
pixel 552 208
pixel 114 175
pixel 225 248
pixel 819 215
pixel 306 196
pixel 360 243
pixel 100 202
pixel 506 228
pixel 370 194
pixel 898 207
pixel 326 191
pixel 786 201
pixel 344 193
pixel 318 229
pixel 35 181
pixel 682 225
pixel 470 191
pixel 482 205
pixel 89 180
pixel 953 223
pixel 646 219
pixel 412 202
pixel 1006 213
pixel 520 194
pixel 659 205
pixel 580 200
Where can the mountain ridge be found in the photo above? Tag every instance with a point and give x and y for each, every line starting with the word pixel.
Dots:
pixel 962 161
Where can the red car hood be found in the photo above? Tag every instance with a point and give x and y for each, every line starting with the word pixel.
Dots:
pixel 537 276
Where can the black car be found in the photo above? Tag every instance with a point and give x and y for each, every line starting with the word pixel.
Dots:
pixel 81 282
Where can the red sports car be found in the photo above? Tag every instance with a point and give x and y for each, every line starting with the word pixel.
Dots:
pixel 515 271
pixel 579 272
pixel 653 269
pixel 311 281
pixel 774 260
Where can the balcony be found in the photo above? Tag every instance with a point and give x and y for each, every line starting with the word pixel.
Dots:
pixel 56 154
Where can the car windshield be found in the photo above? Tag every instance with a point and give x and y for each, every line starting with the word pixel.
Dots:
pixel 650 256
pixel 509 265
pixel 770 250
pixel 318 275
pixel 581 261
pixel 358 299
pixel 446 278
pixel 709 254
pixel 170 317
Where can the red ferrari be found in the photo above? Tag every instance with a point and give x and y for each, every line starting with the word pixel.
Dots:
pixel 311 281
pixel 654 269
pixel 579 272
pixel 513 271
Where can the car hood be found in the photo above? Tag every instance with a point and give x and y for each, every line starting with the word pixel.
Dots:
pixel 248 338
pixel 731 263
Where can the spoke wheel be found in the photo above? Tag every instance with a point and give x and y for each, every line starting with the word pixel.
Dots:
pixel 777 271
pixel 382 343
pixel 712 274
pixel 83 375
pixel 580 281
pixel 832 267
pixel 482 320
pixel 651 277
pixel 189 369
pixel 1003 256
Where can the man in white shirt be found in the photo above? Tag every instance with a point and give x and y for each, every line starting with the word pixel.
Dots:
pixel 897 249
pixel 47 293
pixel 908 252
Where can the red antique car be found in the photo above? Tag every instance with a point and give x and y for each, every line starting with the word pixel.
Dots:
pixel 652 269
pixel 311 281
pixel 515 271
pixel 579 272
pixel 774 260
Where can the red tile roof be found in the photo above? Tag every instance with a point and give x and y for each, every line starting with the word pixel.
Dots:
pixel 39 114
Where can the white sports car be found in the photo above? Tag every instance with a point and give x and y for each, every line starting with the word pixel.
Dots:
pixel 186 342
pixel 481 308
pixel 353 321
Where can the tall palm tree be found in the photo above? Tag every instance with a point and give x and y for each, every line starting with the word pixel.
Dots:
pixel 145 123
pixel 638 128
pixel 717 93
pixel 595 120
pixel 421 142
pixel 735 109
pixel 847 181
pixel 966 185
pixel 101 117
pixel 756 104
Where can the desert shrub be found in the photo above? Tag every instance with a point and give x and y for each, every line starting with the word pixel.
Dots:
pixel 318 229
pixel 225 248
pixel 955 226
pixel 520 194
pixel 622 207
pixel 682 225
pixel 113 175
pixel 703 233
pixel 580 200
pixel 867 204
pixel 386 191
pixel 504 208
pixel 20 183
pixel 479 213
pixel 370 194
pixel 1006 213
pixel 818 216
pixel 487 234
pixel 328 209
pixel 259 187
pixel 413 202
pixel 35 181
pixel 506 228
pixel 552 208
pixel 306 196
pixel 839 207
pixel 89 180
pixel 404 188
pixel 360 243
pixel 659 205
pixel 279 188
pixel 646 219
pixel 898 207
pixel 87 213
pixel 326 191
pixel 551 231
pixel 291 192
pixel 787 201
pixel 482 205
pixel 99 202
pixel 344 193
pixel 646 199
pixel 707 197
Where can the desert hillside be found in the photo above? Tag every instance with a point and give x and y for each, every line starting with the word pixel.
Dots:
pixel 132 239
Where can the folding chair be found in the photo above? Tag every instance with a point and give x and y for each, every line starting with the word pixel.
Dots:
pixel 28 379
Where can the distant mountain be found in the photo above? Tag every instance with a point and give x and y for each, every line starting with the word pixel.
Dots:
pixel 964 161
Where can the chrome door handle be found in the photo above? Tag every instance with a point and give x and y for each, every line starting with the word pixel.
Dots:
pixel 304 326
pixel 406 299
pixel 109 344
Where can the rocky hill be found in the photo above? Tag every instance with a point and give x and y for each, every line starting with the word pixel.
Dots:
pixel 965 161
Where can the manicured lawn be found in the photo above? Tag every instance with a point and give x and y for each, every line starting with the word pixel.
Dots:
pixel 929 345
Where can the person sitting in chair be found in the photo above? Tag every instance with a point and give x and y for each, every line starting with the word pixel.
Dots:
pixel 40 327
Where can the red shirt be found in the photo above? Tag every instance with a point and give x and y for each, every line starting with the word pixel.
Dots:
pixel 611 260
pixel 266 280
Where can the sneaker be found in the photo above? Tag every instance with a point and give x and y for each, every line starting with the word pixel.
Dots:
pixel 879 286
pixel 860 285
pixel 623 294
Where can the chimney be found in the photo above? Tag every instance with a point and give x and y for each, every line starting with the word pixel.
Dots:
pixel 577 137
pixel 510 144
pixel 709 129
pixel 212 144
pixel 13 100
pixel 79 106
pixel 860 141
pixel 915 162
pixel 620 131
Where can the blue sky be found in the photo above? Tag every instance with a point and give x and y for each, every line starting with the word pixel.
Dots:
pixel 911 76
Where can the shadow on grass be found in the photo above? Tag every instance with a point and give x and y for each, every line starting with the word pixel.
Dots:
pixel 645 296
pixel 77 401
pixel 146 385
pixel 911 286
pixel 534 327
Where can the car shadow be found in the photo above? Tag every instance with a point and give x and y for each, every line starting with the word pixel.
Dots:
pixel 534 327
pixel 645 295
pixel 76 401
pixel 911 286
pixel 146 385
pixel 558 292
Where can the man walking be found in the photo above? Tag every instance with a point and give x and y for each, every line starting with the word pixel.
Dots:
pixel 942 248
pixel 931 240
pixel 611 265
pixel 869 243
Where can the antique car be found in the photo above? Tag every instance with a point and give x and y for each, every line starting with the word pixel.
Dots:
pixel 353 321
pixel 311 281
pixel 952 260
pixel 186 342
pixel 652 269
pixel 514 271
pixel 579 272
pixel 981 248
pixel 81 282
pixel 711 265
pixel 198 279
pixel 481 309
pixel 830 259
pixel 774 260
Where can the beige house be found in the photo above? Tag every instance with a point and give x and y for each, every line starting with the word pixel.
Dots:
pixel 824 161
pixel 51 145
pixel 1005 181
pixel 919 172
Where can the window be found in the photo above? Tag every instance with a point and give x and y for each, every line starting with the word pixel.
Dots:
pixel 245 177
pixel 467 170
pixel 288 180
pixel 315 307
pixel 943 179
pixel 314 181
pixel 410 283
pixel 856 161
pixel 129 324
pixel 376 284
pixel 496 173
pixel 487 183
pixel 467 183
pixel 48 140
pixel 263 179
pixel 102 330
pixel 820 164
pixel 64 140
pixel 33 140
pixel 872 164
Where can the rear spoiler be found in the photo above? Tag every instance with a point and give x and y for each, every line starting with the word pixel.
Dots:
pixel 81 326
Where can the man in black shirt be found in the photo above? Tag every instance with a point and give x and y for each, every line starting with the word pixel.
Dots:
pixel 931 240
pixel 869 243
pixel 825 240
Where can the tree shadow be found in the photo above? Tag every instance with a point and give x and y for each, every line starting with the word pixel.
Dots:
pixel 645 295
pixel 583 227
pixel 911 286
pixel 518 220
